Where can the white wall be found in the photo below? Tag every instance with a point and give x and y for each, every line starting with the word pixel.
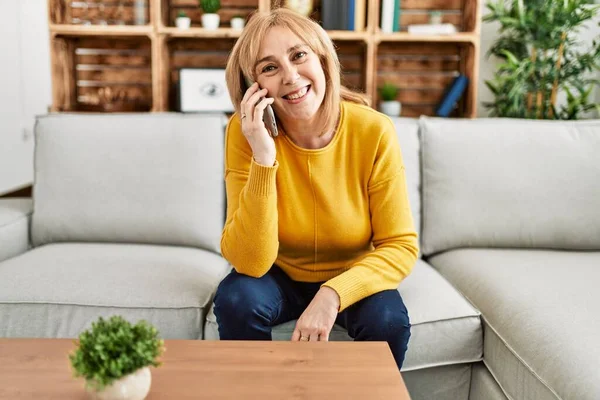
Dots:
pixel 489 33
pixel 26 87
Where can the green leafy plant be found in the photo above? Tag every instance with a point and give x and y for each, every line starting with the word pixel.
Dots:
pixel 537 47
pixel 181 14
pixel 210 6
pixel 388 92
pixel 114 348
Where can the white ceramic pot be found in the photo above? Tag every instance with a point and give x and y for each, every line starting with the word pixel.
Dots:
pixel 210 21
pixel 134 386
pixel 391 108
pixel 238 23
pixel 183 22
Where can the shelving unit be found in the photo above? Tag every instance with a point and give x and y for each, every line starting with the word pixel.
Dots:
pixel 129 67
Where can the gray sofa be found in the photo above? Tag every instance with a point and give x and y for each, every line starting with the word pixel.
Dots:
pixel 127 214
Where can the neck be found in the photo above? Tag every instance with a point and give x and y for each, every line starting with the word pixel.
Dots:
pixel 304 133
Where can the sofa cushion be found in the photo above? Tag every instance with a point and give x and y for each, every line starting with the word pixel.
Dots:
pixel 540 310
pixel 15 216
pixel 58 290
pixel 407 130
pixel 445 329
pixel 149 178
pixel 510 183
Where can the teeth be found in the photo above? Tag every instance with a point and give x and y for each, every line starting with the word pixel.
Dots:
pixel 297 95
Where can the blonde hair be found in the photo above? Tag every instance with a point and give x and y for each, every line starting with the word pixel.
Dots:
pixel 245 53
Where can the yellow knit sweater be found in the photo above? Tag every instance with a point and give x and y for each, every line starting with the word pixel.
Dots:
pixel 339 214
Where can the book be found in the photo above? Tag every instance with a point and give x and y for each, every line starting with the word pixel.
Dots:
pixel 453 94
pixel 328 14
pixel 432 29
pixel 359 15
pixel 350 16
pixel 387 16
pixel 397 12
pixel 342 6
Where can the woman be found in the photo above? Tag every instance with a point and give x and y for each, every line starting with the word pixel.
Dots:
pixel 318 225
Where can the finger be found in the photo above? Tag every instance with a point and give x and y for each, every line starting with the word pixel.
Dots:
pixel 259 110
pixel 296 335
pixel 252 101
pixel 324 337
pixel 314 337
pixel 249 92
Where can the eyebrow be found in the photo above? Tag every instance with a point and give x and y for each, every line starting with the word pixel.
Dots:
pixel 271 58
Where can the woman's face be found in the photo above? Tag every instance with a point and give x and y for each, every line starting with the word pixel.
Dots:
pixel 292 74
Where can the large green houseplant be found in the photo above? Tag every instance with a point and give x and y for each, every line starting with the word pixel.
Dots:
pixel 537 45
pixel 113 357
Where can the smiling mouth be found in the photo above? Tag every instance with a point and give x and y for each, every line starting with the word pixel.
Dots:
pixel 298 95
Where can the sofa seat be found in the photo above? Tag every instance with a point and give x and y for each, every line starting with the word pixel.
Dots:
pixel 540 310
pixel 446 329
pixel 15 215
pixel 58 290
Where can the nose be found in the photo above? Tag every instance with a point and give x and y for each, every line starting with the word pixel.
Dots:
pixel 290 74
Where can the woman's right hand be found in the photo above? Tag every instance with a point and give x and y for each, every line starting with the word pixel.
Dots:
pixel 253 127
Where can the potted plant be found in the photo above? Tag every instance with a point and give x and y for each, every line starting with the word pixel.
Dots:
pixel 182 21
pixel 541 59
pixel 388 104
pixel 113 357
pixel 238 22
pixel 210 18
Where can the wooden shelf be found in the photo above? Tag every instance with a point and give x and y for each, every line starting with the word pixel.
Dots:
pixel 232 33
pixel 348 35
pixel 463 37
pixel 100 30
pixel 200 33
pixel 113 56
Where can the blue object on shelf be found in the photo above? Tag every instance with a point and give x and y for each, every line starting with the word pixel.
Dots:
pixel 351 10
pixel 452 96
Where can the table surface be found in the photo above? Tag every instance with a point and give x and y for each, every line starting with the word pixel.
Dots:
pixel 198 369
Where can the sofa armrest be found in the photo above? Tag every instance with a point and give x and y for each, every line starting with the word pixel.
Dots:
pixel 15 219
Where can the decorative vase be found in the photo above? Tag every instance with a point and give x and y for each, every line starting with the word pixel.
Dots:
pixel 238 23
pixel 183 22
pixel 210 21
pixel 134 386
pixel 391 108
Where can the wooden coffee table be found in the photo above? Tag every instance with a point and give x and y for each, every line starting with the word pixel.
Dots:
pixel 196 369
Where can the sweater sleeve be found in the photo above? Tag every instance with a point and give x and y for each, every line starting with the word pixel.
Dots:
pixel 394 240
pixel 250 237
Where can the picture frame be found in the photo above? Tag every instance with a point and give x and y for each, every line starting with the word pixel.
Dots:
pixel 203 90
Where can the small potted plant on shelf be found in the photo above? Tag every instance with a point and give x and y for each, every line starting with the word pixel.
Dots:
pixel 238 22
pixel 182 21
pixel 114 358
pixel 388 104
pixel 210 18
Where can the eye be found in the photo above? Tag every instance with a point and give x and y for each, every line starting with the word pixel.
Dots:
pixel 268 68
pixel 299 54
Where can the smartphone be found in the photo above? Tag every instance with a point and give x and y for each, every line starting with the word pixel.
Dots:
pixel 268 116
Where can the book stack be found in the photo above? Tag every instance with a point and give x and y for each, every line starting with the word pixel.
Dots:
pixel 390 16
pixel 343 15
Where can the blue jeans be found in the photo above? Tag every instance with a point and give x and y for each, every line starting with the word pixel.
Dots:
pixel 247 308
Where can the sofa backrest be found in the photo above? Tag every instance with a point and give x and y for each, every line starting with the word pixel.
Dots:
pixel 510 183
pixel 407 130
pixel 131 178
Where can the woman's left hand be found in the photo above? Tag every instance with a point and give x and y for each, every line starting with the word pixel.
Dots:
pixel 316 321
